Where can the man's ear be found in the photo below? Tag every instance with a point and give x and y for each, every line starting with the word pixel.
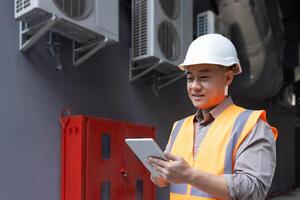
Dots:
pixel 229 77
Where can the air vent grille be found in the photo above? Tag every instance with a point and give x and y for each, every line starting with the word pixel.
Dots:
pixel 139 27
pixel 21 4
pixel 202 24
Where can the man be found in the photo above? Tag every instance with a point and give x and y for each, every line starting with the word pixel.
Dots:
pixel 223 151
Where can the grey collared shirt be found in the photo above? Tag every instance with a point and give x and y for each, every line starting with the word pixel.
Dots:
pixel 255 159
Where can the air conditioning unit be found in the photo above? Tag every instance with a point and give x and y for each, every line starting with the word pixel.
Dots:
pixel 80 20
pixel 208 22
pixel 162 31
pixel 88 22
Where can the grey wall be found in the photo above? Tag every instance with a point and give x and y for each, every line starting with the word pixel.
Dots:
pixel 32 95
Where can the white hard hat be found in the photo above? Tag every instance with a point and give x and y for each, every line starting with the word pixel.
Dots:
pixel 212 49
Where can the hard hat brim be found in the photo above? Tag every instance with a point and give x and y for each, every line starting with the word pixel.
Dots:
pixel 236 71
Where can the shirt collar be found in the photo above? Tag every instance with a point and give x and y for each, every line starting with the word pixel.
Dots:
pixel 216 111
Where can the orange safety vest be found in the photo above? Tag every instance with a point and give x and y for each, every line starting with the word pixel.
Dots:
pixel 218 149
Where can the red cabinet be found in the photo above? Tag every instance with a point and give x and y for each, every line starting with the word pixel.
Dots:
pixel 98 165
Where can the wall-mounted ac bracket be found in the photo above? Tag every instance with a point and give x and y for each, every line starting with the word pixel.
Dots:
pixel 160 80
pixel 164 81
pixel 137 71
pixel 81 52
pixel 53 46
pixel 29 35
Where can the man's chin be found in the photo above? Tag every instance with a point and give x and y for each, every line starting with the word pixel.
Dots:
pixel 200 105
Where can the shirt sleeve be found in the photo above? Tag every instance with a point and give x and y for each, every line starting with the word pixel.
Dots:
pixel 255 164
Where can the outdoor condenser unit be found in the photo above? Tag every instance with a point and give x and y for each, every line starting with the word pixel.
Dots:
pixel 92 23
pixel 208 22
pixel 161 33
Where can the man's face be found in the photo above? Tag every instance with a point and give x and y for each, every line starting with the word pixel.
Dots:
pixel 206 83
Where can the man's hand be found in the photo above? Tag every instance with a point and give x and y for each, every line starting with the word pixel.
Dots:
pixel 176 170
pixel 159 181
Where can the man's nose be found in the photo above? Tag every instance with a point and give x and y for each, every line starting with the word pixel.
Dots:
pixel 196 85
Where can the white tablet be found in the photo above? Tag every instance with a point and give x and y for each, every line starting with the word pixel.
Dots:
pixel 144 148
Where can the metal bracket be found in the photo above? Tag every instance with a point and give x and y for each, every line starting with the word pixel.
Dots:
pixel 164 81
pixel 138 71
pixel 81 52
pixel 28 35
pixel 54 49
pixel 160 80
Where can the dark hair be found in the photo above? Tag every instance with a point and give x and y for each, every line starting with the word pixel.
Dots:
pixel 232 67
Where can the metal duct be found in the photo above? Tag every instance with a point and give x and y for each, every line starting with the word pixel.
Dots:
pixel 260 52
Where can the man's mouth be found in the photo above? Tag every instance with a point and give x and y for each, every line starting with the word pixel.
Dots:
pixel 197 95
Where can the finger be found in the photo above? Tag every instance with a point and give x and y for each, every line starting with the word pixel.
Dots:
pixel 157 161
pixel 151 158
pixel 162 171
pixel 172 157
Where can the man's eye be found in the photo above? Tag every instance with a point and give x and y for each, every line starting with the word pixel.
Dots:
pixel 204 77
pixel 190 78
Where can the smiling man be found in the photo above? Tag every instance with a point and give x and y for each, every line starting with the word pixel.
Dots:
pixel 223 151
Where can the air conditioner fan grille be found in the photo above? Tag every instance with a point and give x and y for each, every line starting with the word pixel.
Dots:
pixel 168 40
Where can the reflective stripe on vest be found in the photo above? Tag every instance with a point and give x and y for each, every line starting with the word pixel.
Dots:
pixel 236 132
pixel 175 132
pixel 178 188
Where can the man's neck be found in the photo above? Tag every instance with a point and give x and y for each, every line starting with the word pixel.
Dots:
pixel 206 111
